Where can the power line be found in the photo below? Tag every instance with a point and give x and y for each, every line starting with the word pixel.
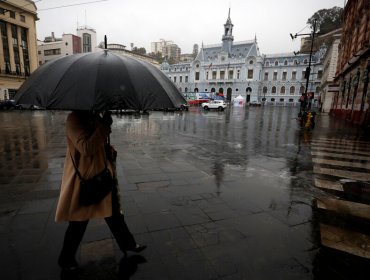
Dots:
pixel 65 6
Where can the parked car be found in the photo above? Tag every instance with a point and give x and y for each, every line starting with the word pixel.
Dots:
pixel 214 104
pixel 9 105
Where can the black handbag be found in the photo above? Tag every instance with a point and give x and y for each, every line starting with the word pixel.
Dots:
pixel 94 189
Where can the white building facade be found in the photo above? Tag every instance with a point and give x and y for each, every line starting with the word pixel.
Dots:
pixel 238 68
pixel 52 47
pixel 328 85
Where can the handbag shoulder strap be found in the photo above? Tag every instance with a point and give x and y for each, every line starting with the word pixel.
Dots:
pixel 78 172
pixel 74 164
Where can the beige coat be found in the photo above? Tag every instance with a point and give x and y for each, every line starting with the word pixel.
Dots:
pixel 86 136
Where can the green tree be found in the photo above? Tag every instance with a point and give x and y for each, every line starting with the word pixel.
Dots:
pixel 139 50
pixel 327 19
pixel 157 56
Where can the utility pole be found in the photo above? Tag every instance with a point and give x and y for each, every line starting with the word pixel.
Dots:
pixel 308 69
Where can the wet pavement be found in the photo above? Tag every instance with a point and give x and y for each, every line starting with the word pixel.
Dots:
pixel 239 194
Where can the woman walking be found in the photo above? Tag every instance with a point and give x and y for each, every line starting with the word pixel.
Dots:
pixel 88 153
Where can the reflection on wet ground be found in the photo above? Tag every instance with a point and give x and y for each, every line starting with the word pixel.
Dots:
pixel 239 194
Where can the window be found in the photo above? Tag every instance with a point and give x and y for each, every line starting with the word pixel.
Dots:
pixel 186 79
pixel 214 75
pixel 12 14
pixel 295 62
pixel 274 78
pixel 39 52
pixel 52 52
pixel 276 63
pixel 273 99
pixel 266 77
pixel 305 61
pixel 250 61
pixel 231 74
pixel 284 75
pixel 186 89
pixel 267 63
pixel 301 89
pixel 273 90
pixel 222 75
pixel 292 90
pixel 264 90
pixel 238 74
pixel 285 62
pixel 24 44
pixel 294 75
pixel 319 74
pixel 197 76
pixel 291 100
pixel 303 74
pixel 86 42
pixel 281 100
pixel 250 73
pixel 22 18
pixel 282 90
pixel 180 79
pixel 175 79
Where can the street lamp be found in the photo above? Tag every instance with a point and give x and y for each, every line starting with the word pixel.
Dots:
pixel 308 69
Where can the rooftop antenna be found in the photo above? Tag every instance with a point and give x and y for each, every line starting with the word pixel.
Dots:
pixel 85 19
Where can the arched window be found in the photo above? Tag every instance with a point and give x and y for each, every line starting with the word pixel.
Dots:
pixel 196 90
pixel 276 63
pixel 292 90
pixel 267 63
pixel 301 89
pixel 295 61
pixel 282 90
pixel 273 90
pixel 186 89
pixel 305 61
pixel 264 90
pixel 272 99
pixel 285 62
pixel 248 89
pixel 213 89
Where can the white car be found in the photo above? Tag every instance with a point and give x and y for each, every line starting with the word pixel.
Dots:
pixel 214 104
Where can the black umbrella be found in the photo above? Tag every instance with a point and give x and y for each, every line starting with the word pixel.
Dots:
pixel 99 81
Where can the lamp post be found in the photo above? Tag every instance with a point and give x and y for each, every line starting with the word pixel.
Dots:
pixel 308 69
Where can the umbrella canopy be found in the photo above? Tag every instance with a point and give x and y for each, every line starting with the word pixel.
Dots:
pixel 99 81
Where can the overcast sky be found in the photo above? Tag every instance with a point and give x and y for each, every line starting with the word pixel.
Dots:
pixel 185 22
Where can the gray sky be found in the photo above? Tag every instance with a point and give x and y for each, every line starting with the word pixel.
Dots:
pixel 185 22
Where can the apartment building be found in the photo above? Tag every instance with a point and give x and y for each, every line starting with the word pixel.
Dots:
pixel 18 44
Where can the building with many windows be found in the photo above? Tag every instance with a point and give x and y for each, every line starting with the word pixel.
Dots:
pixel 18 44
pixel 351 100
pixel 238 68
pixel 284 79
pixel 52 47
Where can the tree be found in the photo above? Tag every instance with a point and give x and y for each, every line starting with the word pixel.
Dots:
pixel 139 50
pixel 157 56
pixel 327 19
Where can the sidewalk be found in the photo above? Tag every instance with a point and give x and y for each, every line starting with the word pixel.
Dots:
pixel 218 195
